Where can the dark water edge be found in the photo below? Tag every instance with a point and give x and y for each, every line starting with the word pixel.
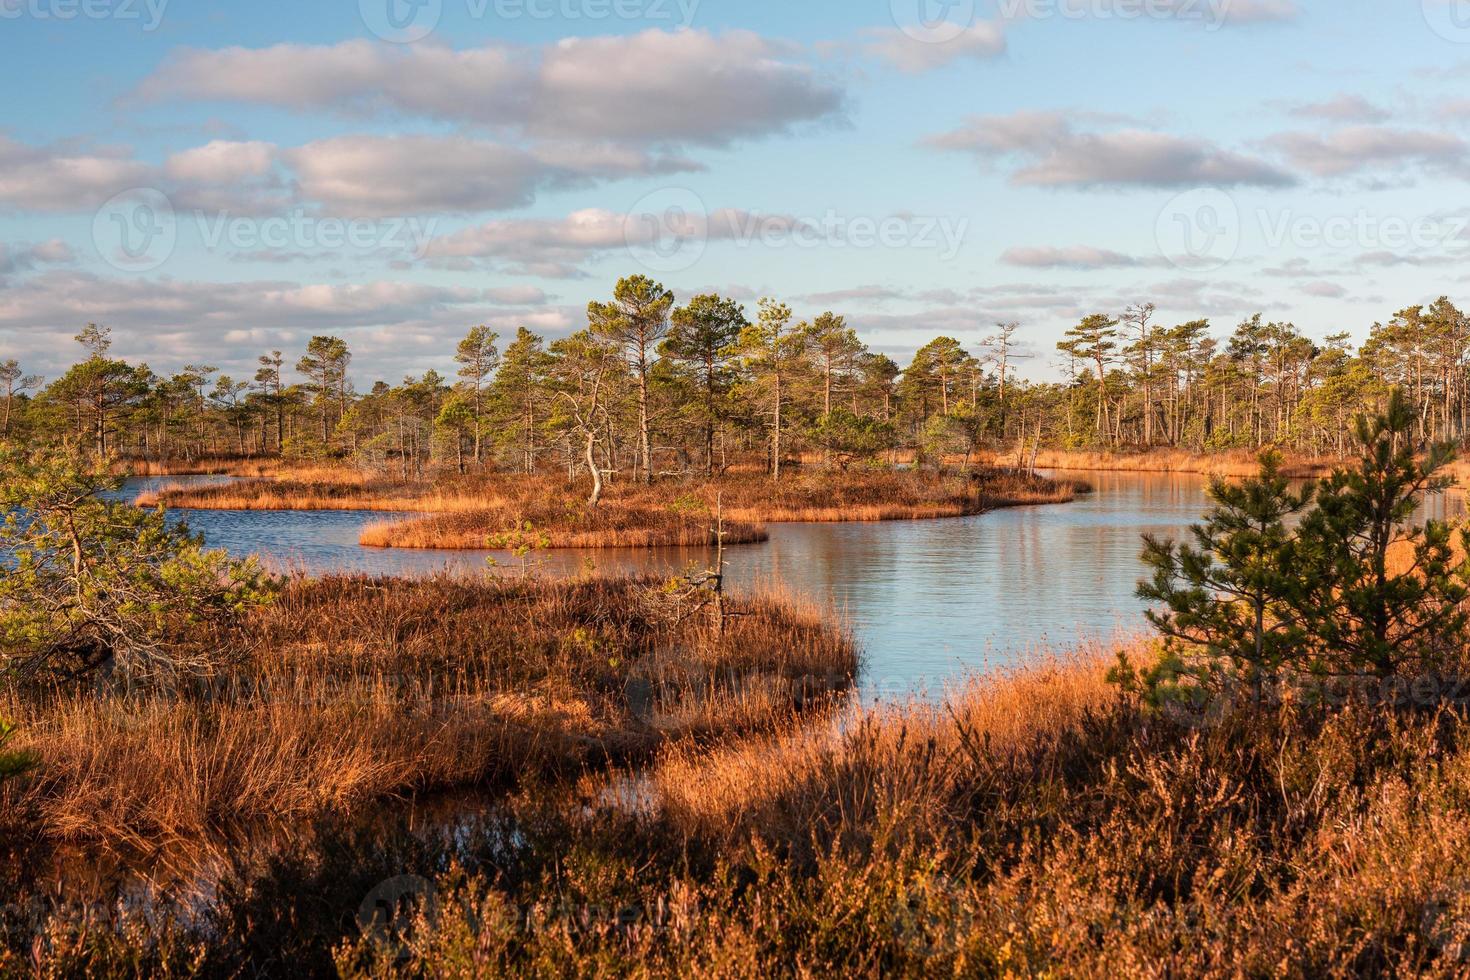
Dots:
pixel 932 603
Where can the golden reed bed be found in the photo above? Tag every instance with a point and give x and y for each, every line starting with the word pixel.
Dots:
pixel 471 513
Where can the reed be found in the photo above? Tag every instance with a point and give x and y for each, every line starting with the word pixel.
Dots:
pixel 1233 464
pixel 359 689
pixel 318 490
pixel 245 467
pixel 1037 824
pixel 685 514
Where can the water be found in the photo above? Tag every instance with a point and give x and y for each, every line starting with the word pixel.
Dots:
pixel 931 601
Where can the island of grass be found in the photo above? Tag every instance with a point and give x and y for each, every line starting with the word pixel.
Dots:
pixel 475 514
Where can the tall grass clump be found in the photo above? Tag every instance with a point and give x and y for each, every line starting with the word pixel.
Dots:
pixel 686 514
pixel 353 690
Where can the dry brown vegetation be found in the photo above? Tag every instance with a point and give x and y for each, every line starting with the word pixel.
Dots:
pixel 1233 464
pixel 361 689
pixel 686 514
pixel 325 489
pixel 465 513
pixel 1040 824
pixel 247 467
pixel 551 522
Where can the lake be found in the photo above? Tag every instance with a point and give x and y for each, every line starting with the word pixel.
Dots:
pixel 931 601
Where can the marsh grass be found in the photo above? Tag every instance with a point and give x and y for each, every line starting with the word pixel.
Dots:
pixel 245 467
pixel 1038 825
pixel 1233 464
pixel 358 690
pixel 685 514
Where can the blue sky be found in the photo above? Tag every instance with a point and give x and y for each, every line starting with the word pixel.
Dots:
pixel 216 180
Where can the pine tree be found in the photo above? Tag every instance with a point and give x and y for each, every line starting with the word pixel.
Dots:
pixel 519 390
pixel 478 357
pixel 702 340
pixel 1095 339
pixel 12 764
pixel 637 319
pixel 1232 596
pixel 325 366
pixel 1386 595
pixel 771 350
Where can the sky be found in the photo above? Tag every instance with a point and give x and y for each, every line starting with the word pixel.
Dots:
pixel 216 180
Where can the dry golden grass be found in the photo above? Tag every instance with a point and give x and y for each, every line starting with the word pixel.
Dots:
pixel 757 785
pixel 684 514
pixel 1230 464
pixel 247 467
pixel 361 689
pixel 622 521
pixel 324 489
pixel 1039 824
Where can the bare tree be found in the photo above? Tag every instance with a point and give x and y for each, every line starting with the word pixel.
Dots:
pixel 16 383
pixel 586 370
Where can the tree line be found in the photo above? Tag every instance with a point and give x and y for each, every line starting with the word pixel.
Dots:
pixel 650 386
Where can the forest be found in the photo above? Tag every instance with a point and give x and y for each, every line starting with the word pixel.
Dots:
pixel 653 387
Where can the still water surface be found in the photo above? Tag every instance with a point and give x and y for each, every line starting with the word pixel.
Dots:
pixel 931 601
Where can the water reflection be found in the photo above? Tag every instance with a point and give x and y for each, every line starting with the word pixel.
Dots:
pixel 931 601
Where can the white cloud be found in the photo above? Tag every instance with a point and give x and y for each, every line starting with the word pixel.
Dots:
pixel 877 295
pixel 392 326
pixel 687 86
pixel 1048 151
pixel 222 161
pixel 1359 148
pixel 982 41
pixel 557 248
pixel 1342 108
pixel 1324 289
pixel 23 258
pixel 1257 11
pixel 59 179
pixel 1071 257
pixel 390 175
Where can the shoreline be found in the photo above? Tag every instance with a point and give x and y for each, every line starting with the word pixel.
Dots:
pixel 540 513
